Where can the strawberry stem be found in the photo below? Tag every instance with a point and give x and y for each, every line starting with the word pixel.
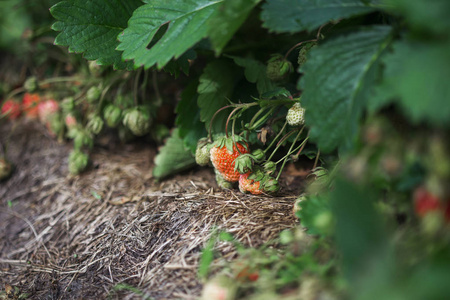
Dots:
pixel 290 151
pixel 228 120
pixel 317 159
pixel 274 140
pixel 211 122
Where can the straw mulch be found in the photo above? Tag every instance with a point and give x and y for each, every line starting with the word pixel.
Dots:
pixel 85 237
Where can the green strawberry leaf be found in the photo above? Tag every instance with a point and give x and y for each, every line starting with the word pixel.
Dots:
pixel 300 15
pixel 360 231
pixel 424 15
pixel 191 129
pixel 255 72
pixel 92 26
pixel 338 80
pixel 227 20
pixel 415 79
pixel 173 157
pixel 175 66
pixel 312 208
pixel 186 26
pixel 216 85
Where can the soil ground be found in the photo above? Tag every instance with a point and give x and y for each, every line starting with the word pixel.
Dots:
pixel 114 231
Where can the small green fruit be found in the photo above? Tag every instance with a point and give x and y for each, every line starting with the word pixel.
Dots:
pixel 78 162
pixel 31 84
pixel 137 120
pixel 95 124
pixel 112 115
pixel 202 152
pixel 93 94
pixel 278 68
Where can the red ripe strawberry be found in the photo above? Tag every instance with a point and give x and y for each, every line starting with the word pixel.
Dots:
pixel 11 109
pixel 46 109
pixel 30 105
pixel 249 185
pixel 245 274
pixel 223 154
pixel 425 202
pixel 70 121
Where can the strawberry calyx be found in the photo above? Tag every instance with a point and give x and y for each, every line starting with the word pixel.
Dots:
pixel 258 182
pixel 230 142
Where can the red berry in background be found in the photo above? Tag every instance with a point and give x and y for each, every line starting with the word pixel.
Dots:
pixel 222 158
pixel 12 109
pixel 30 105
pixel 425 202
pixel 70 121
pixel 46 109
pixel 253 276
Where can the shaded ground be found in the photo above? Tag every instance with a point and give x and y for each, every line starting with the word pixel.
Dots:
pixel 83 237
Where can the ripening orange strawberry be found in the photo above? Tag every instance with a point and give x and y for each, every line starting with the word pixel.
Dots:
pixel 247 185
pixel 30 105
pixel 223 154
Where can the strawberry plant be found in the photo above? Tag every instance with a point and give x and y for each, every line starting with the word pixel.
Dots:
pixel 357 86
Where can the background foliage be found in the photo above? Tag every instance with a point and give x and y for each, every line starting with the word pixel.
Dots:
pixel 372 76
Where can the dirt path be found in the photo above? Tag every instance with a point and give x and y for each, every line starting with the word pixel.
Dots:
pixel 85 237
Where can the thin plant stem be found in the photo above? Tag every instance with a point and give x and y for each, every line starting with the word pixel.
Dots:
pixel 317 159
pixel 290 151
pixel 274 140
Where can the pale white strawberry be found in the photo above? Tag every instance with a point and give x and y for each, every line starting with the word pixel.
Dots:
pixel 296 115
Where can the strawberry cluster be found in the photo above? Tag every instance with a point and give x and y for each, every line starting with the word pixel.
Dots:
pixel 233 162
pixel 33 106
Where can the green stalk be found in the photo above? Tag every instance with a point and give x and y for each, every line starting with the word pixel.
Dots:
pixel 290 151
pixel 274 140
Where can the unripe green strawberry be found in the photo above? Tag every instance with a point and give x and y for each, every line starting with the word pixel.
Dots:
pixel 31 84
pixel 270 185
pixel 68 105
pixel 93 94
pixel 202 152
pixel 137 120
pixel 112 115
pixel 5 169
pixel 223 155
pixel 296 115
pixel 55 124
pixel 221 182
pixel 278 67
pixel 95 124
pixel 78 162
pixel 83 138
pixel 269 167
pixel 95 68
pixel 258 155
